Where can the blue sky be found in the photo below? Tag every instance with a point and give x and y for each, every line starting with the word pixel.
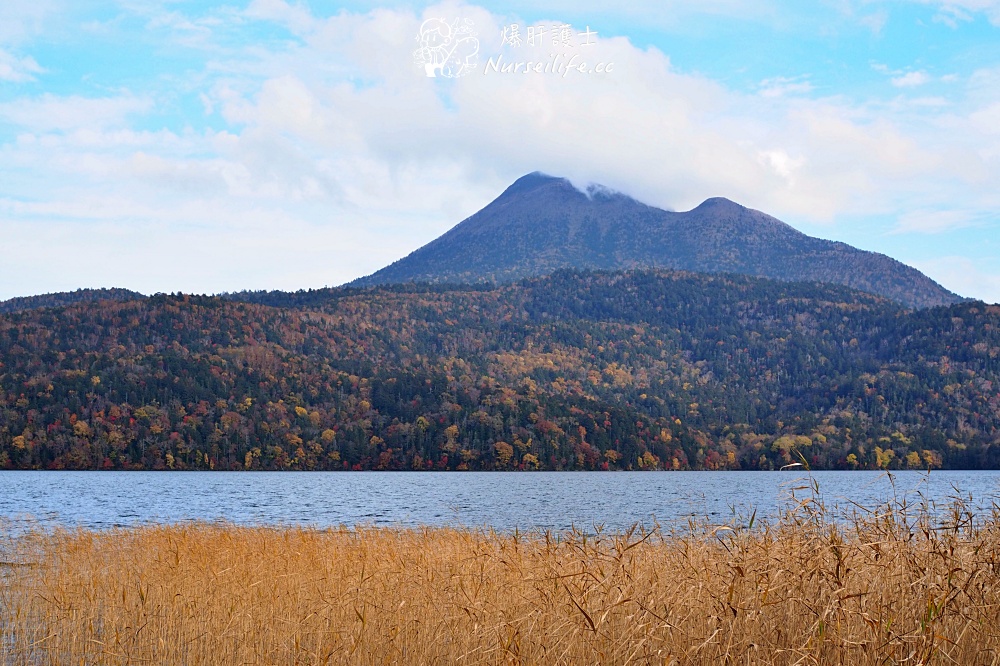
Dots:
pixel 205 147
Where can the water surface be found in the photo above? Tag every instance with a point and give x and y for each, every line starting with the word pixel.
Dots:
pixel 545 500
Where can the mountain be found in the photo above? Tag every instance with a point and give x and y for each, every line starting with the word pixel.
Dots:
pixel 574 370
pixel 541 224
pixel 66 298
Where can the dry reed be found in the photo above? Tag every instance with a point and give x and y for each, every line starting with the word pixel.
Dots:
pixel 887 587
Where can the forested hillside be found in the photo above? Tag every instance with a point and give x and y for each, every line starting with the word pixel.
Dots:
pixel 637 370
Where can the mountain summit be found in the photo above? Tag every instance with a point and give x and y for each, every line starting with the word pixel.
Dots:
pixel 542 223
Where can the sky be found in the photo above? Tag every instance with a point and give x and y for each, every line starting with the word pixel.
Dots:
pixel 173 145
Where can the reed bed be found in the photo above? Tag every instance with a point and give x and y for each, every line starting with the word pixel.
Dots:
pixel 887 586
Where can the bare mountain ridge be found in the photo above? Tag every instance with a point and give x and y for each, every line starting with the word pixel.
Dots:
pixel 542 223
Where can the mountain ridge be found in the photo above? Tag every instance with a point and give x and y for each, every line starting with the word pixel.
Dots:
pixel 541 223
pixel 64 298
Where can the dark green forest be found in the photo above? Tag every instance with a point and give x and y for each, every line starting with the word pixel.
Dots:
pixel 574 371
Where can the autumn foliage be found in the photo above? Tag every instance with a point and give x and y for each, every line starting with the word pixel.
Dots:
pixel 587 371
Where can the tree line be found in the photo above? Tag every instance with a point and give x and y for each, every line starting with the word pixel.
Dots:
pixel 574 371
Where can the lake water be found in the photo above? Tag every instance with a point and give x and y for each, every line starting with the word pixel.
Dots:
pixel 546 500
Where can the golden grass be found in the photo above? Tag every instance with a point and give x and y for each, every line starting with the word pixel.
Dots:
pixel 888 587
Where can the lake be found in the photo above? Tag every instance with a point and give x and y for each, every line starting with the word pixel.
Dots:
pixel 545 500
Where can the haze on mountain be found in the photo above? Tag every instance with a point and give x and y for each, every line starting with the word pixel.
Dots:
pixel 543 223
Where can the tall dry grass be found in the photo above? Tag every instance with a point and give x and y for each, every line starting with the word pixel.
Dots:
pixel 888 587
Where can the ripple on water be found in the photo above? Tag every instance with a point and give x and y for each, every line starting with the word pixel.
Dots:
pixel 547 500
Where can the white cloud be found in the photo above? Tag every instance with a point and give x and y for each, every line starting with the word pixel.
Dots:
pixel 911 79
pixel 875 21
pixel 987 120
pixel 964 276
pixel 670 137
pixel 296 17
pixel 901 78
pixel 953 11
pixel 662 14
pixel 51 112
pixel 781 86
pixel 337 141
pixel 935 221
pixel 781 162
pixel 17 70
pixel 161 256
pixel 20 21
